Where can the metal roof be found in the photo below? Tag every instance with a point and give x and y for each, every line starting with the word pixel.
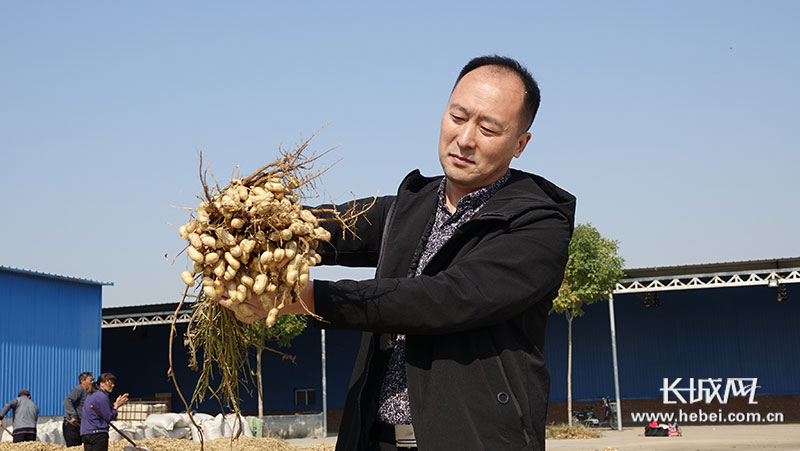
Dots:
pixel 145 315
pixel 774 264
pixel 713 275
pixel 54 276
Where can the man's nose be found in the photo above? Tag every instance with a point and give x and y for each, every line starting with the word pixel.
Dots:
pixel 466 136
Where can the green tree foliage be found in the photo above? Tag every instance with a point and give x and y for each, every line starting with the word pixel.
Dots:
pixel 592 272
pixel 286 328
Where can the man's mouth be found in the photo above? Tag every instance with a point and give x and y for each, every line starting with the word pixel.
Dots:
pixel 460 159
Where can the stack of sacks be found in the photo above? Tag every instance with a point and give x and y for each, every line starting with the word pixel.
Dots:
pixel 219 426
pixel 133 429
pixel 50 432
pixel 201 419
pixel 162 425
pixel 167 425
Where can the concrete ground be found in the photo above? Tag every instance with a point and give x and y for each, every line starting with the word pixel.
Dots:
pixel 305 443
pixel 701 438
pixel 695 438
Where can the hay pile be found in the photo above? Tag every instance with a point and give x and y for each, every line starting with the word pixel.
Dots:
pixel 170 444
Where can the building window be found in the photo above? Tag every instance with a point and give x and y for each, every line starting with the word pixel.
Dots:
pixel 305 396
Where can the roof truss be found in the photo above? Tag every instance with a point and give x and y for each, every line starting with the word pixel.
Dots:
pixel 712 280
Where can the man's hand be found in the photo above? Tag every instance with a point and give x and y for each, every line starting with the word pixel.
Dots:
pixel 121 400
pixel 251 309
pixel 248 311
pixel 307 295
pixel 74 421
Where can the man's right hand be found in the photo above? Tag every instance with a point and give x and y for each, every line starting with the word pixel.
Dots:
pixel 74 421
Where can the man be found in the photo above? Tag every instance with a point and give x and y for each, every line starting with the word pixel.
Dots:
pixel 26 414
pixel 73 406
pixel 467 267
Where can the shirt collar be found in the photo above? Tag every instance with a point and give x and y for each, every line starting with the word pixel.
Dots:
pixel 474 199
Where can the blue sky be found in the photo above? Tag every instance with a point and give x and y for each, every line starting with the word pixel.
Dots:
pixel 674 123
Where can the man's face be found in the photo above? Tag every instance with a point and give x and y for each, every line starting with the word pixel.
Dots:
pixel 87 383
pixel 480 131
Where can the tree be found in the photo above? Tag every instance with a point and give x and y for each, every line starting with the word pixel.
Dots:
pixel 286 328
pixel 592 271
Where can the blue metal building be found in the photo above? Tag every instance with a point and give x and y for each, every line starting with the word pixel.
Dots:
pixel 714 324
pixel 740 332
pixel 49 332
pixel 138 356
pixel 721 320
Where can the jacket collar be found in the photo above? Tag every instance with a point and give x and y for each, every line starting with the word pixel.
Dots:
pixel 522 192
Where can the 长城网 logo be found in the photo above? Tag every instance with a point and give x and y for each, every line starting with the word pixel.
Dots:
pixel 709 390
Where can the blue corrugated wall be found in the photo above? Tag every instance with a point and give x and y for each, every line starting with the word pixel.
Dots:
pixel 719 333
pixel 139 359
pixel 705 333
pixel 49 332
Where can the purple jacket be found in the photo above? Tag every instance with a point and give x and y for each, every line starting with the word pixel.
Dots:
pixel 90 422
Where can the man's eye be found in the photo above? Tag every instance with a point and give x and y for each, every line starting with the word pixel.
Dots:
pixel 488 131
pixel 457 118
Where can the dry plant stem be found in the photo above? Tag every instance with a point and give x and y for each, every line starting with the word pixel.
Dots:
pixel 347 219
pixel 203 178
pixel 214 328
pixel 171 372
pixel 291 162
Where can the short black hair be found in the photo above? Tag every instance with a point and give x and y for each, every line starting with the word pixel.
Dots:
pixel 106 377
pixel 82 377
pixel 532 96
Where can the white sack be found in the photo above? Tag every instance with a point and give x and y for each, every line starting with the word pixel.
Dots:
pixel 5 436
pixel 50 432
pixel 180 432
pixel 233 425
pixel 155 432
pixel 161 420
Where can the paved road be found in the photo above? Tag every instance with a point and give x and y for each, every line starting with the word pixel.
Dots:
pixel 699 438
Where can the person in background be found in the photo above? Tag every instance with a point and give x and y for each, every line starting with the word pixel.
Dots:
pixel 94 427
pixel 73 409
pixel 26 414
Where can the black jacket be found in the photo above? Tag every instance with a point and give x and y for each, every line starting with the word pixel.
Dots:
pixel 474 319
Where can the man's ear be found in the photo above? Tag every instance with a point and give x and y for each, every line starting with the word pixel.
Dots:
pixel 523 141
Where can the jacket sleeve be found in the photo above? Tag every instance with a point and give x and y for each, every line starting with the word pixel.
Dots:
pixel 109 412
pixel 360 246
pixel 11 405
pixel 506 273
pixel 69 405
